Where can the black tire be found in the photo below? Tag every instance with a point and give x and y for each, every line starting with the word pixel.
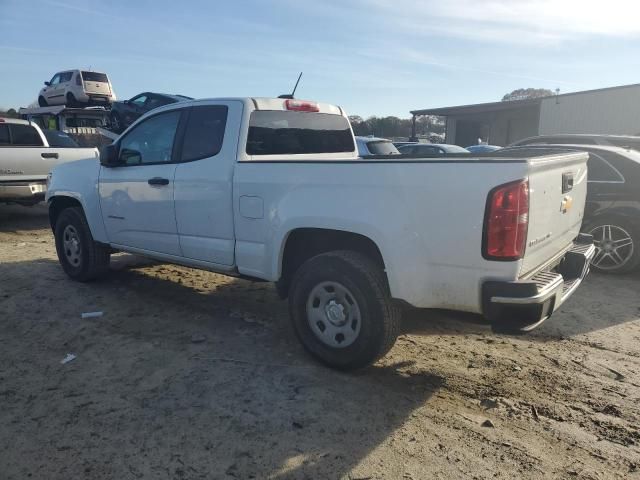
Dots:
pixel 619 228
pixel 71 100
pixel 42 101
pixel 92 258
pixel 379 321
pixel 116 122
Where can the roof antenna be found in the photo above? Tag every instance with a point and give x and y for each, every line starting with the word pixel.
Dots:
pixel 290 95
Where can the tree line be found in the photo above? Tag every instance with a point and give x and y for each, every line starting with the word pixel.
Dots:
pixel 393 127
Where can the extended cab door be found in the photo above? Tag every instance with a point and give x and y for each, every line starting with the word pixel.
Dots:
pixel 204 181
pixel 136 196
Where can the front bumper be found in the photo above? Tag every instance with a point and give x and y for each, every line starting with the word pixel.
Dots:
pixel 23 191
pixel 520 306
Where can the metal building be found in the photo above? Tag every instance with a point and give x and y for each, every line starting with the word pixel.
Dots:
pixel 614 110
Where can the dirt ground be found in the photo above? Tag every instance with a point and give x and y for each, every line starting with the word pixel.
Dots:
pixel 192 375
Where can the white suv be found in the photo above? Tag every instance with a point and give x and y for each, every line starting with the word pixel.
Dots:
pixel 74 87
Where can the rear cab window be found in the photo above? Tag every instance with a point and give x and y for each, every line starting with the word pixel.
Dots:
pixel 95 77
pixel 25 136
pixel 274 132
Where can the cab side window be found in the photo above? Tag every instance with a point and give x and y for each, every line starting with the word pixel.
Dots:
pixel 204 133
pixel 55 80
pixel 4 135
pixel 151 141
pixel 25 136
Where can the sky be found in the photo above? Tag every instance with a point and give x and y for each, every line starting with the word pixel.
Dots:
pixel 373 57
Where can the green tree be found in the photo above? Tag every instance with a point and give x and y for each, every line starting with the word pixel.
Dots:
pixel 525 93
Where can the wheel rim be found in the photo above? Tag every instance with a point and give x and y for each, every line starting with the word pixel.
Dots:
pixel 333 314
pixel 614 247
pixel 71 244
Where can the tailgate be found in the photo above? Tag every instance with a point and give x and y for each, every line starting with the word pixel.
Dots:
pixel 557 193
pixel 96 83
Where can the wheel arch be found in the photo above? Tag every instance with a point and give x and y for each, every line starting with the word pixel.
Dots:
pixel 57 204
pixel 301 244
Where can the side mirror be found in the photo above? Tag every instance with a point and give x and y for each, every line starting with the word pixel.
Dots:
pixel 130 157
pixel 48 84
pixel 109 156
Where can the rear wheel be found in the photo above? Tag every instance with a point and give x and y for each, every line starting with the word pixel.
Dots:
pixel 342 311
pixel 81 258
pixel 42 101
pixel 617 244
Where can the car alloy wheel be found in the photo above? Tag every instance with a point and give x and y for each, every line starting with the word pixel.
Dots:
pixel 614 246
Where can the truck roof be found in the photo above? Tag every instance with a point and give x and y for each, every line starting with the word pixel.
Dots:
pixel 268 103
pixel 14 120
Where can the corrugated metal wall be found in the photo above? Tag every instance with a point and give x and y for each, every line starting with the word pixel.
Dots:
pixel 612 111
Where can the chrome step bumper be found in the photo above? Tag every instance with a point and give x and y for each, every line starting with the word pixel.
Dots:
pixel 520 306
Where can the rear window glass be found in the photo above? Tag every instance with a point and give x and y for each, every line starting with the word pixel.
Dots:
pixel 204 133
pixel 4 135
pixel 25 136
pixel 290 133
pixel 599 170
pixel 94 77
pixel 59 139
pixel 382 148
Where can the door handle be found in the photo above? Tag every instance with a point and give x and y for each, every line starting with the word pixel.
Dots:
pixel 158 181
pixel 49 155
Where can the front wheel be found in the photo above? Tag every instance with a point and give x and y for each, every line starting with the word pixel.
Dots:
pixel 81 258
pixel 617 244
pixel 342 311
pixel 42 101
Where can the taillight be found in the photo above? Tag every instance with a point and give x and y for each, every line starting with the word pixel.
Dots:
pixel 301 105
pixel 78 79
pixel 506 221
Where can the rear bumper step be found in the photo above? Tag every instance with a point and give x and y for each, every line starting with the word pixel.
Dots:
pixel 520 306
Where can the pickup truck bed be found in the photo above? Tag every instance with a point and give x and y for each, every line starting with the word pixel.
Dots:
pixel 281 196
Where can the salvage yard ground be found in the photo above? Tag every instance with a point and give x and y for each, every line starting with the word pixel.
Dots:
pixel 191 375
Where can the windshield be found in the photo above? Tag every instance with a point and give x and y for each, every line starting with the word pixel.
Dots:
pixel 453 149
pixel 56 138
pixel 382 147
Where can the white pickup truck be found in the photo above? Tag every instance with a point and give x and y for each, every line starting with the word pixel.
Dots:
pixel 27 155
pixel 272 189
